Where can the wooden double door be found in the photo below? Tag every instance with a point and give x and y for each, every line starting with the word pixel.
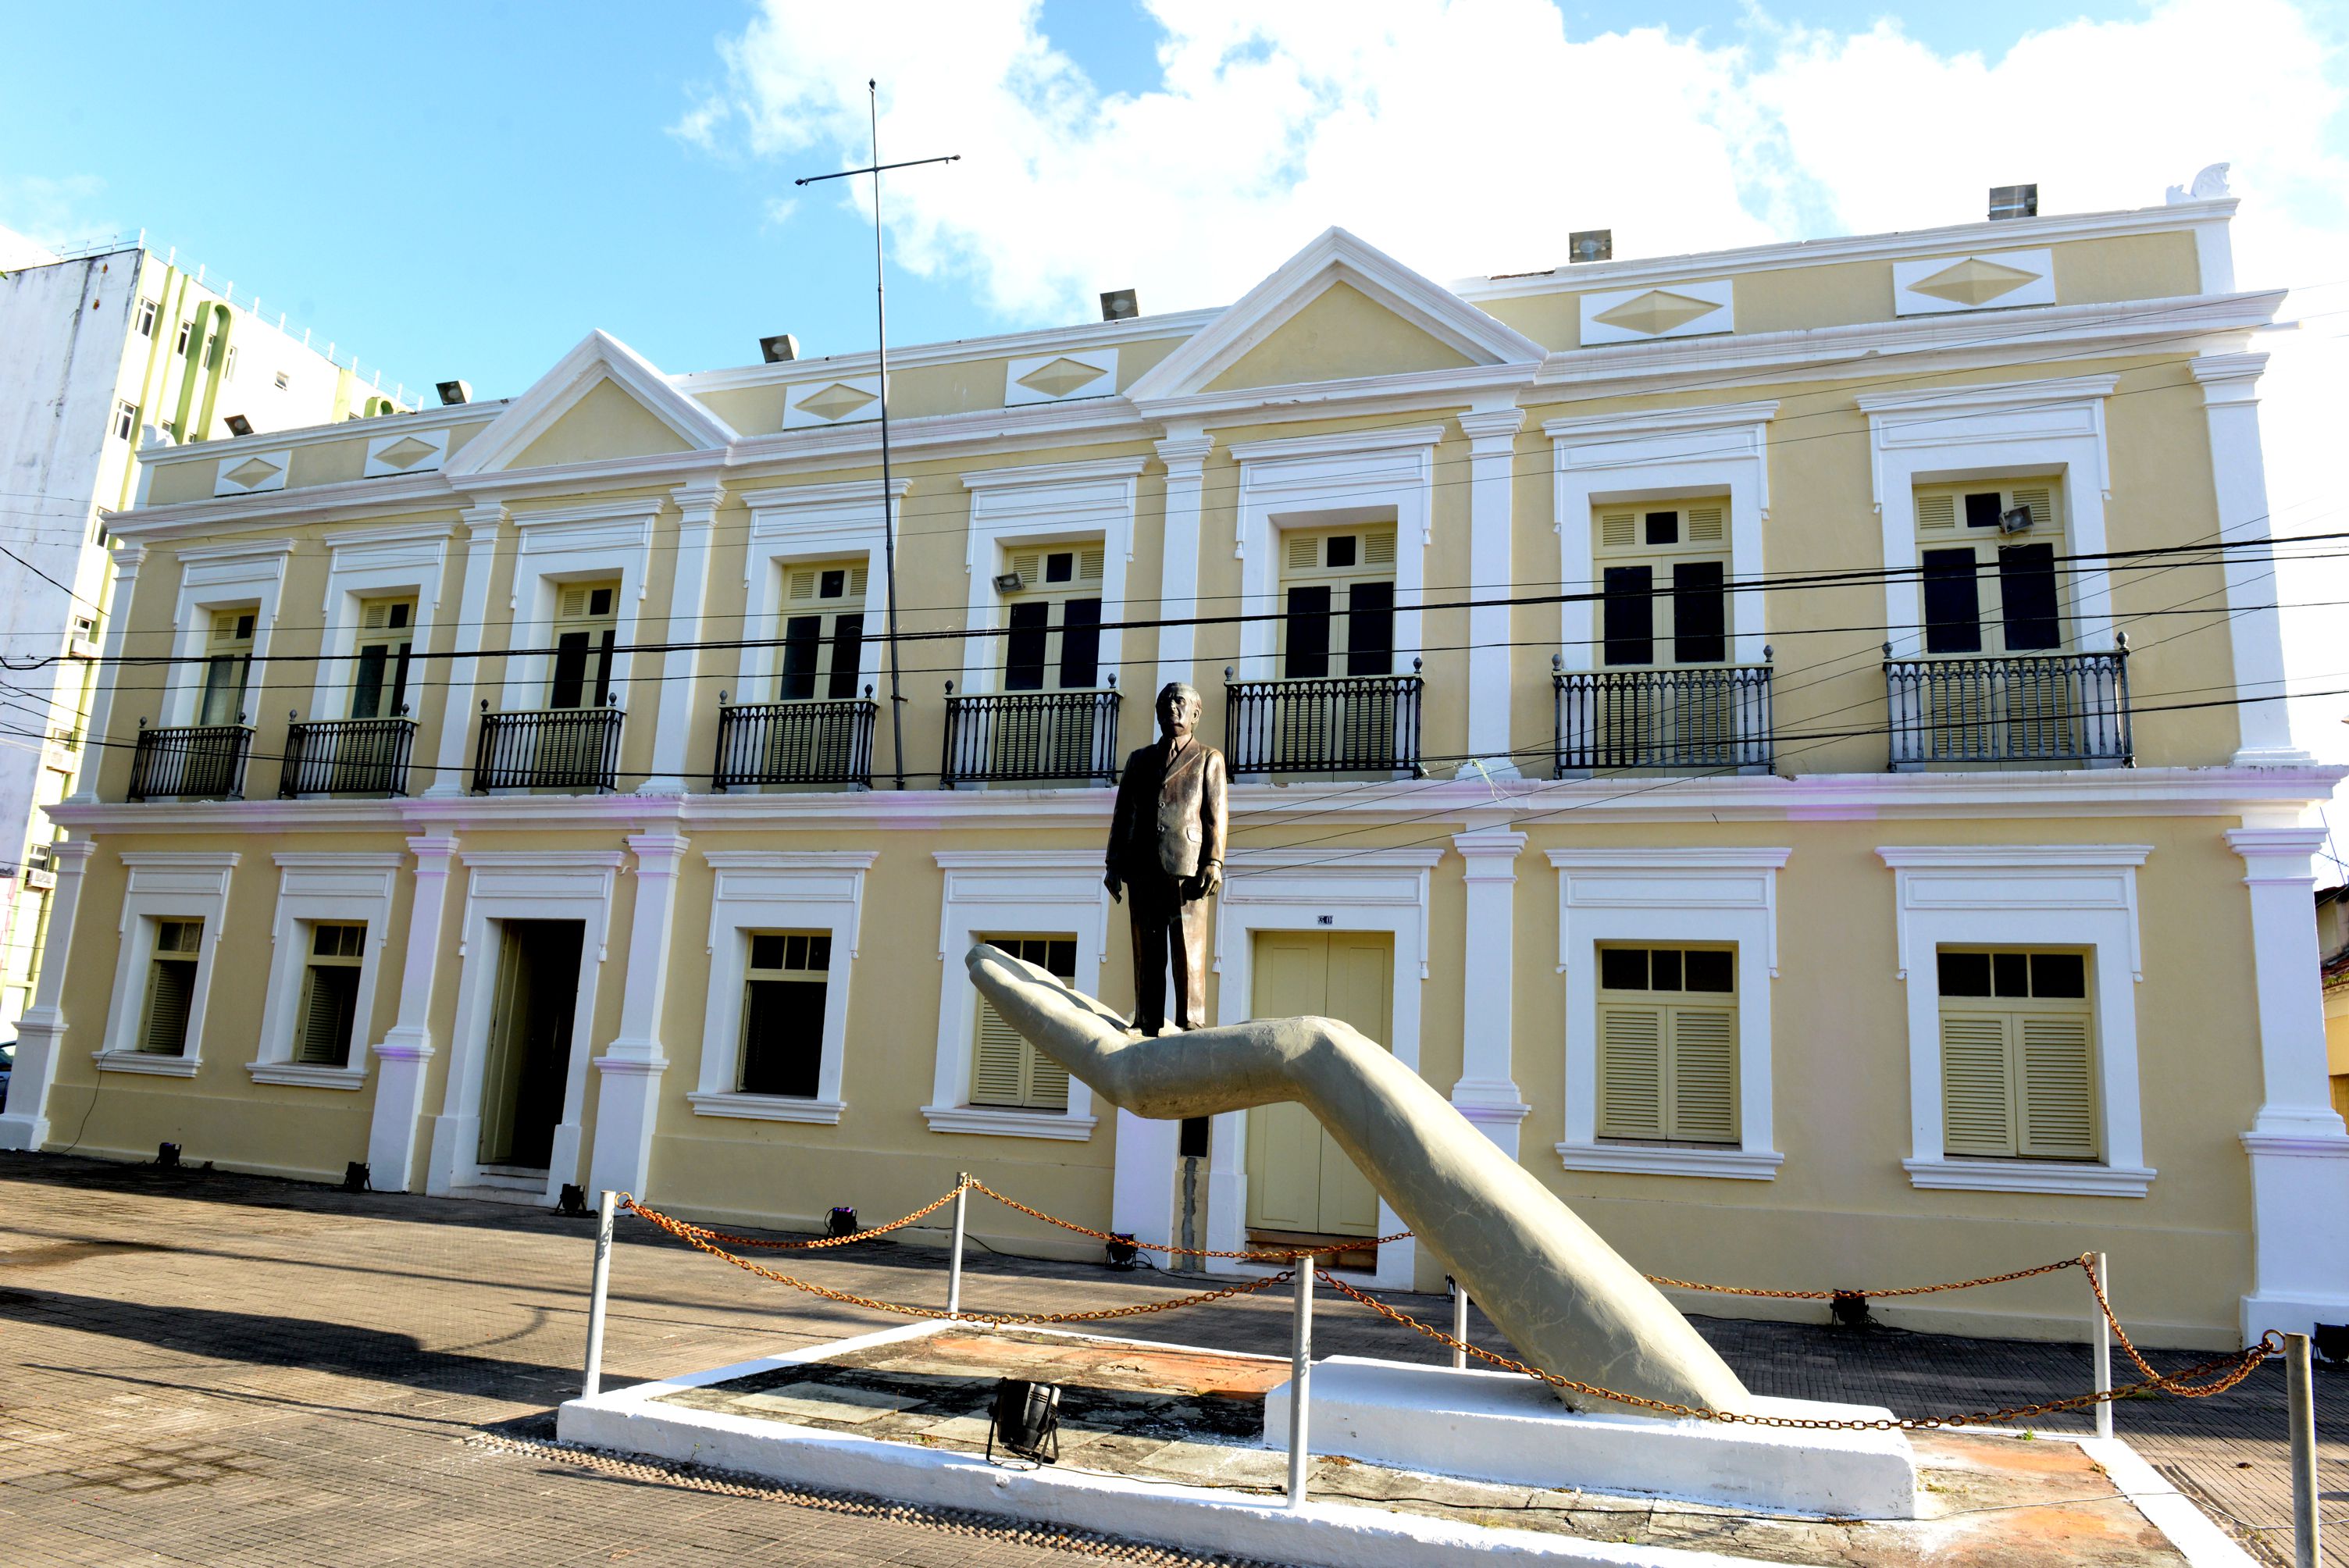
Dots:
pixel 1301 1184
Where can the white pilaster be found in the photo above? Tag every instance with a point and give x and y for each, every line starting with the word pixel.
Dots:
pixel 1487 1092
pixel 126 559
pixel 2297 1146
pixel 1186 457
pixel 697 505
pixel 405 1049
pixel 2254 627
pixel 1492 450
pixel 41 1032
pixel 631 1067
pixel 451 775
pixel 1141 1198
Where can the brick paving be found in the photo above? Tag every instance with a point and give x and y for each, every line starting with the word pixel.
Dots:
pixel 206 1369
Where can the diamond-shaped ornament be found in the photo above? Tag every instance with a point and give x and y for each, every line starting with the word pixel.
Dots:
pixel 405 452
pixel 252 471
pixel 1060 377
pixel 1657 310
pixel 1973 282
pixel 837 401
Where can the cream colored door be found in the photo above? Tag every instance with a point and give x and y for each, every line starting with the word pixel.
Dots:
pixel 1300 1181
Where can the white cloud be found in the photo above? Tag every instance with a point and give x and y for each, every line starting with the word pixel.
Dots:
pixel 48 215
pixel 1472 138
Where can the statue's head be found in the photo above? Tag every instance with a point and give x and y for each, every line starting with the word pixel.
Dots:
pixel 1178 709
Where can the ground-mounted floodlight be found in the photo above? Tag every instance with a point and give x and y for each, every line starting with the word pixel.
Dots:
pixel 572 1201
pixel 355 1177
pixel 454 392
pixel 166 1155
pixel 1025 1417
pixel 1121 1251
pixel 841 1223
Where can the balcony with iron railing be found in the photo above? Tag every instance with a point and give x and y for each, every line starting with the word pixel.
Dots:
pixel 810 741
pixel 346 757
pixel 1703 717
pixel 1031 737
pixel 1338 724
pixel 190 761
pixel 559 748
pixel 2048 709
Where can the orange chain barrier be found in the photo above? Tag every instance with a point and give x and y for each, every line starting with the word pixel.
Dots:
pixel 695 1236
pixel 1879 1294
pixel 1287 1257
pixel 2225 1372
pixel 679 1228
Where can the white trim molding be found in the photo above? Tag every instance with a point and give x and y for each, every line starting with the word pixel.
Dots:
pixel 521 884
pixel 2024 895
pixel 1974 280
pixel 1381 889
pixel 577 545
pixel 810 522
pixel 1665 895
pixel 1024 380
pixel 252 472
pixel 406 452
pixel 1692 307
pixel 1046 503
pixel 315 885
pixel 41 1032
pixel 1993 430
pixel 807 890
pixel 220 577
pixel 1661 454
pixel 2230 401
pixel 163 884
pixel 375 564
pixel 1008 891
pixel 1487 1092
pixel 597 358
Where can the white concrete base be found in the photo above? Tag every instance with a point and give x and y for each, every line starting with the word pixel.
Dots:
pixel 1497 1426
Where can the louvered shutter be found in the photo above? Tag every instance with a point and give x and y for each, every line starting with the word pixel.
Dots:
pixel 324 1037
pixel 1705 525
pixel 574 603
pixel 1031 567
pixel 2041 499
pixel 1977 1107
pixel 1630 1071
pixel 2058 1120
pixel 996 1076
pixel 1618 529
pixel 857 578
pixel 803 584
pixel 1937 513
pixel 1704 1075
pixel 170 994
pixel 1379 548
pixel 1089 563
pixel 1304 552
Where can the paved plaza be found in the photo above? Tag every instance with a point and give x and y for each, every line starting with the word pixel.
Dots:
pixel 208 1368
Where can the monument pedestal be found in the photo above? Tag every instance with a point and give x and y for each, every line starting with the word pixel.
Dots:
pixel 1498 1426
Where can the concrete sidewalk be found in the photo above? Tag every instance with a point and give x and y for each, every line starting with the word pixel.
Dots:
pixel 222 1370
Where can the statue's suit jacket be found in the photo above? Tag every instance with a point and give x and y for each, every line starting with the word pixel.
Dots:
pixel 1170 819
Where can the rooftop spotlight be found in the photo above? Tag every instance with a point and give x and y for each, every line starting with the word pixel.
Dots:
pixel 1119 305
pixel 454 392
pixel 780 348
pixel 238 424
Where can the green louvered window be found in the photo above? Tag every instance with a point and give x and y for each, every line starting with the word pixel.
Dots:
pixel 2018 1057
pixel 1668 1044
pixel 1006 1070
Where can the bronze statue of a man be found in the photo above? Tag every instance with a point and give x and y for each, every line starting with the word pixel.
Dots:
pixel 1166 846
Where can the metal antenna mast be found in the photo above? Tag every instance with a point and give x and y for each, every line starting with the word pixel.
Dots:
pixel 888 500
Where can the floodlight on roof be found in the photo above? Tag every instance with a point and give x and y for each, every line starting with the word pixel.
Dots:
pixel 1119 305
pixel 2014 202
pixel 454 392
pixel 780 348
pixel 238 424
pixel 1590 245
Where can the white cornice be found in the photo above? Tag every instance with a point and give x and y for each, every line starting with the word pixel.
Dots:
pixel 2005 235
pixel 1052 473
pixel 1386 439
pixel 2006 857
pixel 961 350
pixel 1419 390
pixel 275 508
pixel 234 550
pixel 450 418
pixel 1656 422
pixel 851 492
pixel 1978 397
pixel 628 509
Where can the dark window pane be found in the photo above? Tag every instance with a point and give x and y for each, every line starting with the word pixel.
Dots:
pixel 367 685
pixel 794 952
pixel 847 654
pixel 1023 650
pixel 802 635
pixel 2026 592
pixel 1664 969
pixel 1663 528
pixel 1060 958
pixel 1982 509
pixel 2059 974
pixel 1059 567
pixel 1341 550
pixel 604 666
pixel 1369 629
pixel 570 680
pixel 1953 602
pixel 1080 644
pixel 766 952
pixel 834 586
pixel 1623 968
pixel 1711 971
pixel 599 601
pixel 782 1037
pixel 1700 613
pixel 2010 973
pixel 399 616
pixel 1965 973
pixel 820 953
pixel 399 678
pixel 1628 616
pixel 1307 658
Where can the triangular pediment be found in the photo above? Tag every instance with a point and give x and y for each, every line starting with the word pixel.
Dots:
pixel 603 400
pixel 1338 310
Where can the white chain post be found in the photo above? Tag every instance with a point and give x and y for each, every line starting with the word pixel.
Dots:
pixel 1300 1377
pixel 1459 1325
pixel 2301 1403
pixel 954 1262
pixel 2101 1348
pixel 599 1281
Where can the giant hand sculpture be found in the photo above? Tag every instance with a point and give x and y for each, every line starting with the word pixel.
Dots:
pixel 1561 1294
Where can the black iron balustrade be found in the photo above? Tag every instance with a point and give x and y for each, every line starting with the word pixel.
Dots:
pixel 191 762
pixel 2021 707
pixel 346 757
pixel 1338 724
pixel 809 741
pixel 1030 737
pixel 1709 717
pixel 548 748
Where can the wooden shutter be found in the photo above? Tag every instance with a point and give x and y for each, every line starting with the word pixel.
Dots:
pixel 1704 1074
pixel 1618 529
pixel 1089 563
pixel 1379 548
pixel 1304 552
pixel 1977 1109
pixel 2059 1117
pixel 323 1036
pixel 1937 513
pixel 803 584
pixel 995 1078
pixel 2041 499
pixel 1705 525
pixel 1630 1071
pixel 171 994
pixel 574 603
pixel 1029 564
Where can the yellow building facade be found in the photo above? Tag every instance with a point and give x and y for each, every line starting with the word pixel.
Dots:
pixel 1777 735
